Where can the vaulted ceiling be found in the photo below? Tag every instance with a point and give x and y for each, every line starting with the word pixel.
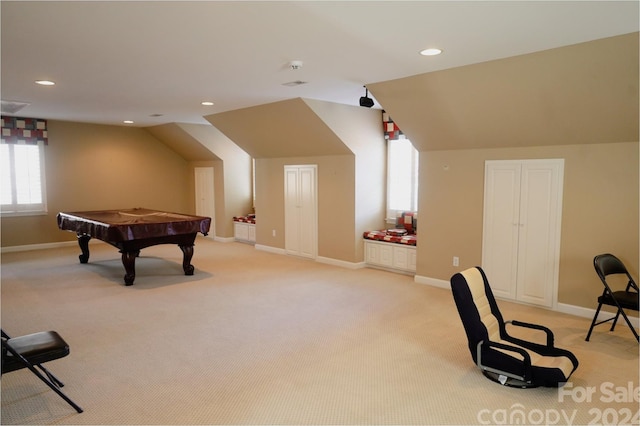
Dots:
pixel 154 62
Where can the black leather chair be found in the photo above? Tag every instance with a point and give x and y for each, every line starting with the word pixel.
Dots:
pixel 606 265
pixel 33 350
pixel 502 358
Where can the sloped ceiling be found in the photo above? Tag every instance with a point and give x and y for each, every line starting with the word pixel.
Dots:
pixel 281 129
pixel 179 140
pixel 215 141
pixel 153 62
pixel 584 93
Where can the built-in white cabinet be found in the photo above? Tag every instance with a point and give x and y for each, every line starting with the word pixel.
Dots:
pixel 521 228
pixel 301 210
pixel 244 232
pixel 252 232
pixel 390 256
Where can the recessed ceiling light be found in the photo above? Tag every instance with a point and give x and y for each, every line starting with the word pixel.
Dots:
pixel 207 103
pixel 45 82
pixel 431 52
pixel 128 122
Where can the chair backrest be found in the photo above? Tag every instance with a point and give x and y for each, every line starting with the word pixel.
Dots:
pixel 607 264
pixel 477 307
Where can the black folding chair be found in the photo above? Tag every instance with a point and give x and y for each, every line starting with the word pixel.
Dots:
pixel 33 350
pixel 605 265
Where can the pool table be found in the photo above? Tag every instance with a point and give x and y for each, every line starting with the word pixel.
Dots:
pixel 131 230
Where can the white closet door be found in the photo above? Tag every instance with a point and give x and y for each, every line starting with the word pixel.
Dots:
pixel 301 211
pixel 539 232
pixel 501 226
pixel 205 195
pixel 307 212
pixel 291 208
pixel 521 229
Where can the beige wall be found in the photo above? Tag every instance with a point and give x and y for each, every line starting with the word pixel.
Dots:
pixel 95 167
pixel 232 175
pixel 206 146
pixel 599 211
pixel 287 128
pixel 585 93
pixel 577 102
pixel 346 143
pixel 360 129
pixel 565 103
pixel 336 203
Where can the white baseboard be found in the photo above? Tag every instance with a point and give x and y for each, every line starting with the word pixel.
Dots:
pixel 270 249
pixel 579 311
pixel 340 263
pixel 224 239
pixel 564 308
pixel 44 246
pixel 319 259
pixel 434 282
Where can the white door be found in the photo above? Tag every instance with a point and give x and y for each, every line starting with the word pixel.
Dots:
pixel 301 211
pixel 205 192
pixel 500 229
pixel 521 236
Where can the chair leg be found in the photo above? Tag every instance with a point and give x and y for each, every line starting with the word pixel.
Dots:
pixel 615 320
pixel 633 329
pixel 593 323
pixel 51 383
pixel 55 388
pixel 51 377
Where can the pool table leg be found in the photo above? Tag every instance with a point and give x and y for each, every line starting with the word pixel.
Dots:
pixel 129 262
pixel 186 259
pixel 83 242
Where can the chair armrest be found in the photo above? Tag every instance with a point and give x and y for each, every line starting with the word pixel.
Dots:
pixel 526 375
pixel 548 332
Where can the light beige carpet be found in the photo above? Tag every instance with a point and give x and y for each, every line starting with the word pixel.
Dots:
pixel 261 338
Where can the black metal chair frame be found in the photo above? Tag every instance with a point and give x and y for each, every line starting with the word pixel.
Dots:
pixel 605 265
pixel 24 362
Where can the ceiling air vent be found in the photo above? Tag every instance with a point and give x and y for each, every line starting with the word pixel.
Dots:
pixel 294 83
pixel 11 107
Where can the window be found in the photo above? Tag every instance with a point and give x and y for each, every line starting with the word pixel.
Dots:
pixel 402 177
pixel 22 186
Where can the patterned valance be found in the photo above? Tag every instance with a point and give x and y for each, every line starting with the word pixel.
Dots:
pixel 24 130
pixel 391 129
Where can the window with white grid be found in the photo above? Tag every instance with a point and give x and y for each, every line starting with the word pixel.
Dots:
pixel 22 178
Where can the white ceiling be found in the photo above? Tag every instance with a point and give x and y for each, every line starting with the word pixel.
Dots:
pixel 125 60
